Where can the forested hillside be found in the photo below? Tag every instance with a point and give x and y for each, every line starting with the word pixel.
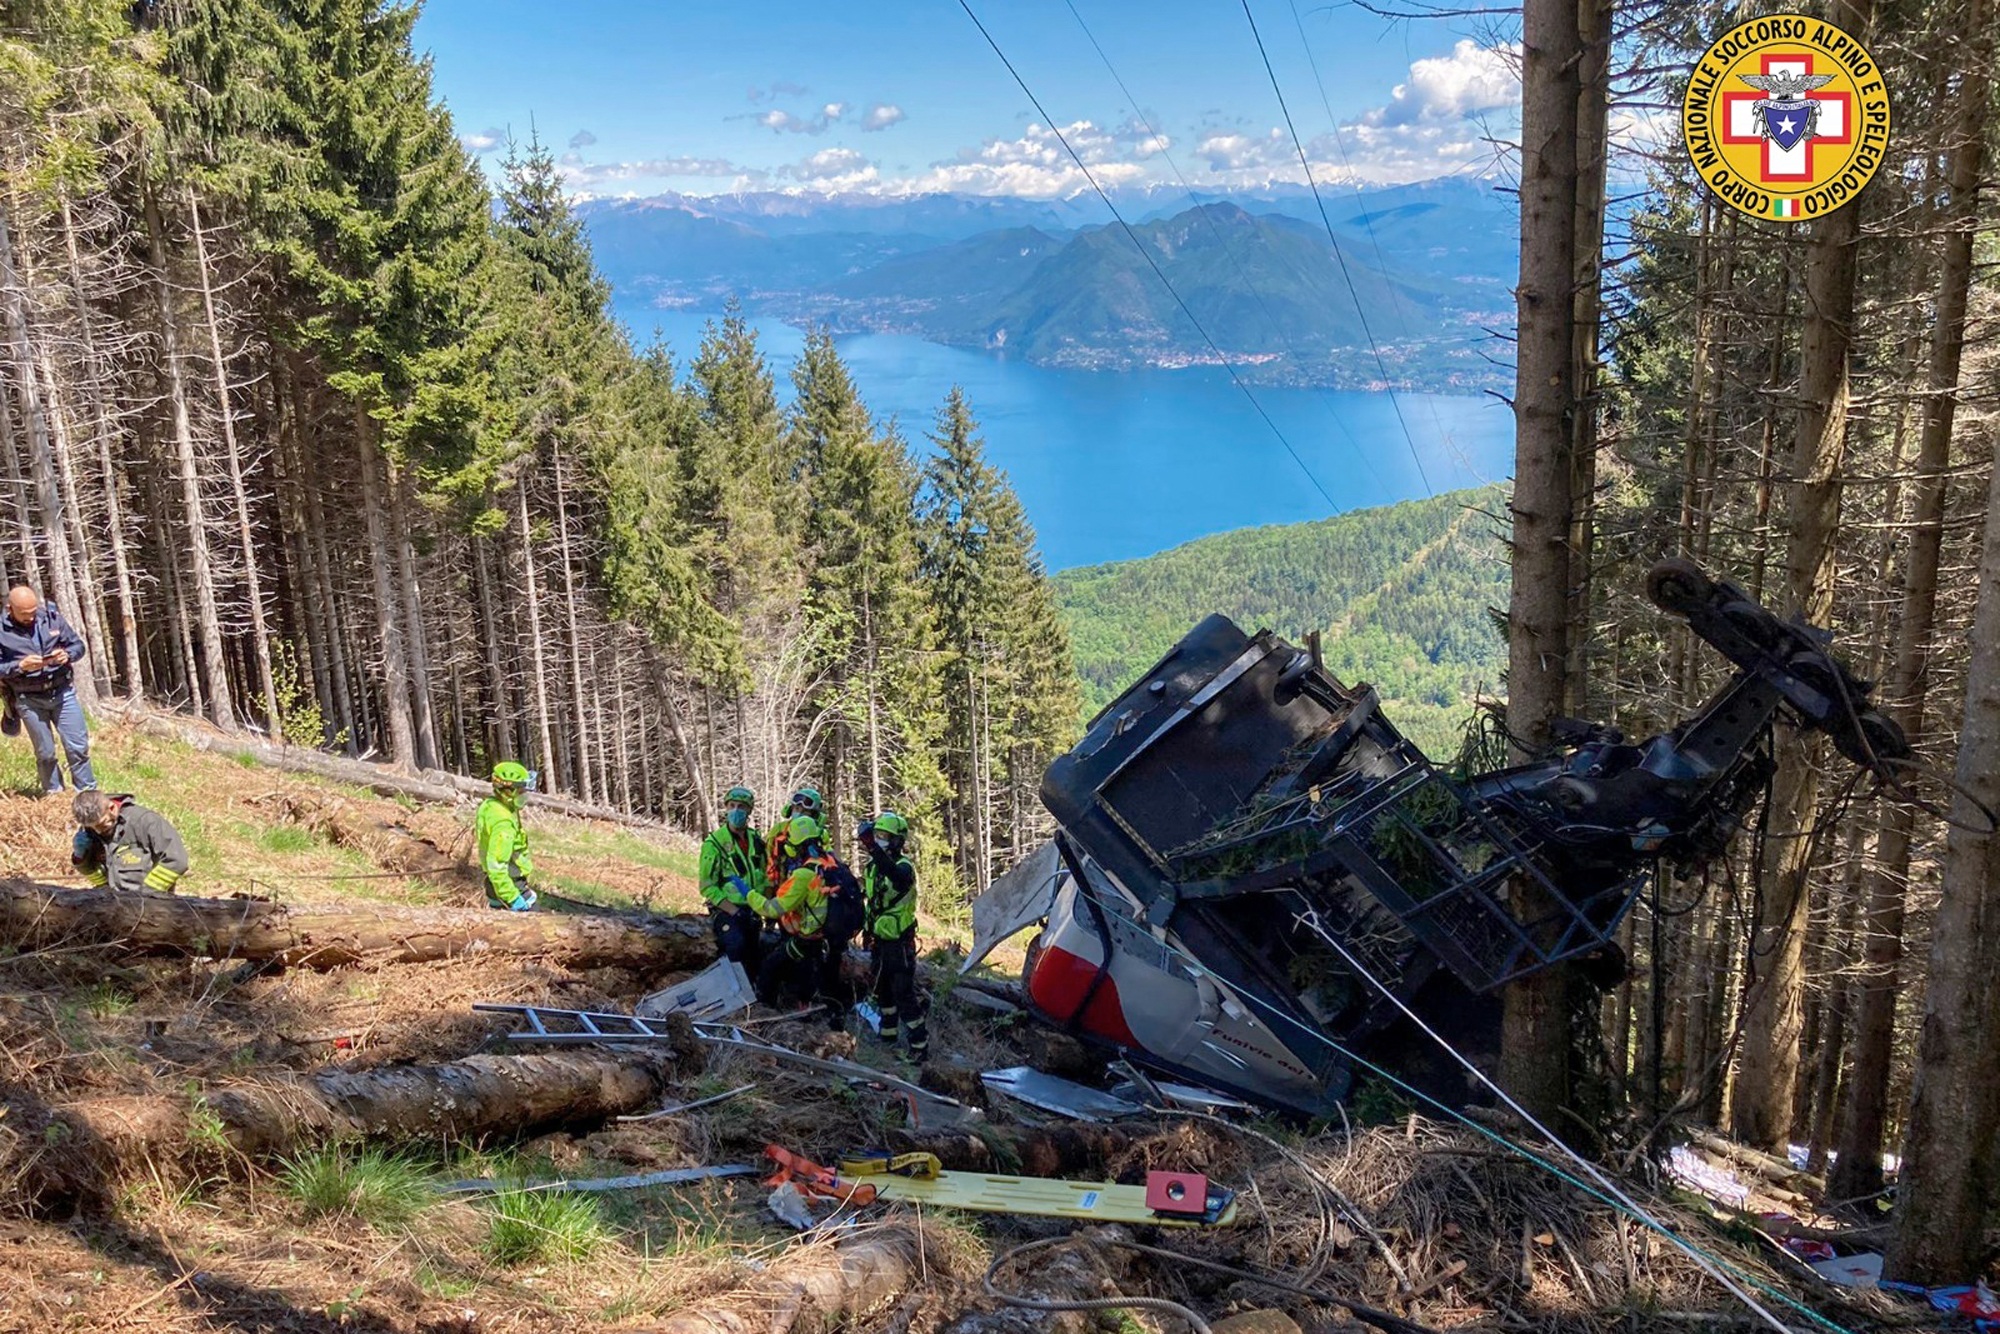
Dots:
pixel 309 431
pixel 1402 596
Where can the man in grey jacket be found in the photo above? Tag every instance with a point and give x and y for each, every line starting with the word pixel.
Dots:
pixel 38 650
pixel 122 845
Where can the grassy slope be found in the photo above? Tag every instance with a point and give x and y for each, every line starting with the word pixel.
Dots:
pixel 343 1240
pixel 1401 594
pixel 236 847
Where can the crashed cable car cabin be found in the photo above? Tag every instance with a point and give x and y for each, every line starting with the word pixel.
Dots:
pixel 1251 859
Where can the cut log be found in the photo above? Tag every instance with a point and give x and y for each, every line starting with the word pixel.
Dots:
pixel 479 1097
pixel 323 936
pixel 78 1148
pixel 812 1287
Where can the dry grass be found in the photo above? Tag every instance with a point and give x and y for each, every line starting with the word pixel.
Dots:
pixel 98 1236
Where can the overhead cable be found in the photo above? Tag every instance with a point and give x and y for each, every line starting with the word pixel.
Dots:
pixel 1340 255
pixel 1145 252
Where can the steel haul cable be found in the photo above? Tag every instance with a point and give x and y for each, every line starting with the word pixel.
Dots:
pixel 1380 366
pixel 1722 1271
pixel 1146 254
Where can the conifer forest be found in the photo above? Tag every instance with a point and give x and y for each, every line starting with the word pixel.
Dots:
pixel 325 436
pixel 320 436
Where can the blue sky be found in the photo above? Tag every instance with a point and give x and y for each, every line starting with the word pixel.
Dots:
pixel 900 96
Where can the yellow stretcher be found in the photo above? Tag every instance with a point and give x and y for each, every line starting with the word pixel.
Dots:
pixel 1168 1199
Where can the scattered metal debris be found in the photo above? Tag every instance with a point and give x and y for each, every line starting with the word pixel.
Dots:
pixel 1064 1097
pixel 679 1107
pixel 576 1027
pixel 925 1107
pixel 677 1177
pixel 714 993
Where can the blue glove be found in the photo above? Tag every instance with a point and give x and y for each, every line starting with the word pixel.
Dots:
pixel 737 883
pixel 80 847
pixel 524 902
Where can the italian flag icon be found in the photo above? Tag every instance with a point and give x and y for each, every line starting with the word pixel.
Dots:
pixel 1784 208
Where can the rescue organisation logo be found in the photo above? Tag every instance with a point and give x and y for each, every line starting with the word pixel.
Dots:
pixel 1786 117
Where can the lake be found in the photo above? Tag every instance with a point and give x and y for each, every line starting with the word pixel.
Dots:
pixel 1112 465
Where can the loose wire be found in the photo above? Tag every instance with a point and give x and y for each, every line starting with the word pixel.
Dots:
pixel 1146 254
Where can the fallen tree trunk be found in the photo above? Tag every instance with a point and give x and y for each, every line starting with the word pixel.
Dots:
pixel 476 1098
pixel 812 1288
pixel 387 843
pixel 431 785
pixel 480 1097
pixel 323 936
pixel 1772 1169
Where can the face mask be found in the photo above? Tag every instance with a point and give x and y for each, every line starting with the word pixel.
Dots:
pixel 737 818
pixel 882 842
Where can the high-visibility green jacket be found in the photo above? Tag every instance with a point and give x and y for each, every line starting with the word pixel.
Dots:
pixel 143 851
pixel 726 861
pixel 503 850
pixel 889 890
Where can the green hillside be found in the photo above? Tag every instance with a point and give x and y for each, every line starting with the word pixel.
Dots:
pixel 1401 594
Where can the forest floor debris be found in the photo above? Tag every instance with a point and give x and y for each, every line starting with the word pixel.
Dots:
pixel 126 1203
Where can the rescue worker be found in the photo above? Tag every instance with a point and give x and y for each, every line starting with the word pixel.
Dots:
pixel 797 902
pixel 732 868
pixel 121 845
pixel 805 801
pixel 503 843
pixel 889 891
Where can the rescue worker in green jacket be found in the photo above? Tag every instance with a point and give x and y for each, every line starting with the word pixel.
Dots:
pixel 121 845
pixel 503 843
pixel 798 903
pixel 732 869
pixel 889 893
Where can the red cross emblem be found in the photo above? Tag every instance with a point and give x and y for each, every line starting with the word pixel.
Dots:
pixel 1794 165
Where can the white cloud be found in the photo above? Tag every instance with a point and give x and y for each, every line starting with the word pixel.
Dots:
pixel 583 174
pixel 1036 165
pixel 582 139
pixel 1471 80
pixel 833 169
pixel 784 122
pixel 485 141
pixel 1229 151
pixel 881 116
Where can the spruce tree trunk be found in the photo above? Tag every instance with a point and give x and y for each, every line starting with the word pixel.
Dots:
pixel 395 667
pixel 1762 1114
pixel 41 446
pixel 260 636
pixel 1948 1172
pixel 1535 1040
pixel 422 721
pixel 208 623
pixel 1858 1170
pixel 499 727
pixel 536 660
pixel 103 434
pixel 586 782
pixel 17 491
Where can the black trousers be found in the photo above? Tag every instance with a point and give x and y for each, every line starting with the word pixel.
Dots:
pixel 791 970
pixel 739 936
pixel 897 996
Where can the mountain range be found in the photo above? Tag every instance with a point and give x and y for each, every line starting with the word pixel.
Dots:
pixel 1430 265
